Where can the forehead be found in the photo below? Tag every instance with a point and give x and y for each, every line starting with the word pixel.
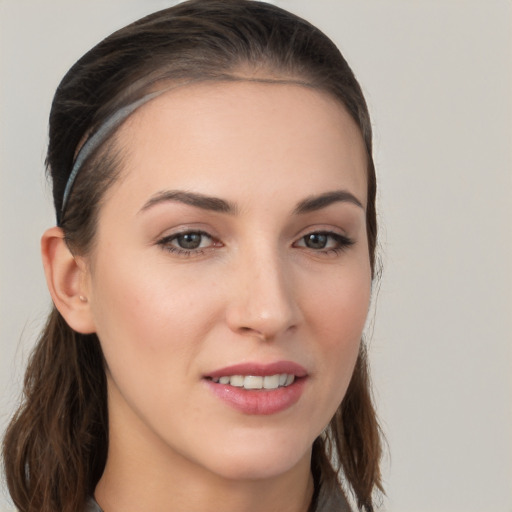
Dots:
pixel 230 138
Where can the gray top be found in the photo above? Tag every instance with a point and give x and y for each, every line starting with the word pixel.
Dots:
pixel 333 501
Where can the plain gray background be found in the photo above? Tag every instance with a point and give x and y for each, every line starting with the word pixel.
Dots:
pixel 438 79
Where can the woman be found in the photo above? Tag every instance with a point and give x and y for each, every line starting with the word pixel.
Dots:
pixel 211 271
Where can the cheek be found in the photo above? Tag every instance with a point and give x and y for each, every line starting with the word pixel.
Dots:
pixel 151 324
pixel 146 302
pixel 147 319
pixel 336 317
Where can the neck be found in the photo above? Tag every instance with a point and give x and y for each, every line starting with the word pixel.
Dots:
pixel 278 495
pixel 138 484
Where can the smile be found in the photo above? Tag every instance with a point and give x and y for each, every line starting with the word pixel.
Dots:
pixel 258 389
pixel 279 380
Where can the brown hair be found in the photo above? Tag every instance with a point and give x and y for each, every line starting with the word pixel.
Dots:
pixel 56 445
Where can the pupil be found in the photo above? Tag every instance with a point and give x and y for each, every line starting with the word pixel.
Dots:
pixel 316 241
pixel 190 240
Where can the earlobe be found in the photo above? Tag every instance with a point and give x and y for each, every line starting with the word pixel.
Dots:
pixel 66 280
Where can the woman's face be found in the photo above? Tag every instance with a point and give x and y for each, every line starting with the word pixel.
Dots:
pixel 231 255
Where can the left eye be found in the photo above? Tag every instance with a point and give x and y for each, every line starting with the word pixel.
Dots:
pixel 324 241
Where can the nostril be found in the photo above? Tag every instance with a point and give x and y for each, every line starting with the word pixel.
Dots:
pixel 253 332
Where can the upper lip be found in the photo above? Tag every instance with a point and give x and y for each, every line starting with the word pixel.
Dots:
pixel 259 369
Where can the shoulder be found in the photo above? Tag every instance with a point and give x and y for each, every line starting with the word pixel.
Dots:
pixel 330 499
pixel 329 495
pixel 92 506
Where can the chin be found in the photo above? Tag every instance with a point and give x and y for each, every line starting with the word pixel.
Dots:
pixel 260 459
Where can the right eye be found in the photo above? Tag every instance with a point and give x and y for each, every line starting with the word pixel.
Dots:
pixel 187 242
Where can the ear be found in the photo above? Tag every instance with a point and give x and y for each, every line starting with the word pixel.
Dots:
pixel 66 277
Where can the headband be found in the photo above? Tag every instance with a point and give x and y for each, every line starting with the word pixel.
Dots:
pixel 97 139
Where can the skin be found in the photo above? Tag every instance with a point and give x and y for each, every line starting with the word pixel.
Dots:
pixel 253 291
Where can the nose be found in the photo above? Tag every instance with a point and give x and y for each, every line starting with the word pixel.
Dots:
pixel 263 303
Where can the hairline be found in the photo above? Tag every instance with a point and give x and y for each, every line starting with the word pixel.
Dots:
pixel 111 150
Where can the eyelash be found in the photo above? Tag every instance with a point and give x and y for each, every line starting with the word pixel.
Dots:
pixel 342 243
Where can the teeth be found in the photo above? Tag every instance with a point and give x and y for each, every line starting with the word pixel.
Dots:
pixel 271 382
pixel 237 381
pixel 251 382
pixel 257 382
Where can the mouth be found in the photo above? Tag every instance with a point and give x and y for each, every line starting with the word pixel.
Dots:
pixel 256 382
pixel 259 389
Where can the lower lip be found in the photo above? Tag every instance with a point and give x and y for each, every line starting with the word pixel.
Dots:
pixel 262 402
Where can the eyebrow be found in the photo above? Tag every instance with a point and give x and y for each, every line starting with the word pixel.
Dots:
pixel 313 203
pixel 214 204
